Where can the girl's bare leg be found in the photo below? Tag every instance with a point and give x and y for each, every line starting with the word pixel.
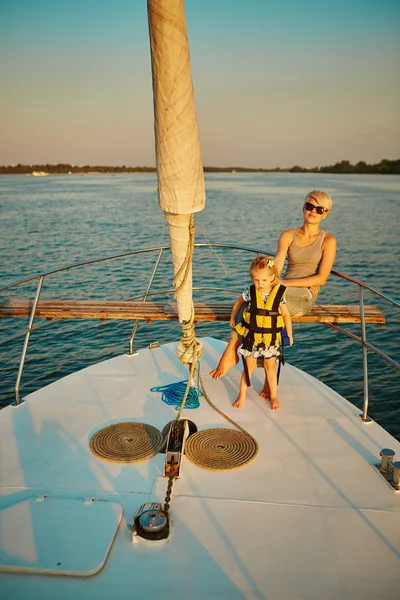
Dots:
pixel 270 369
pixel 228 359
pixel 241 399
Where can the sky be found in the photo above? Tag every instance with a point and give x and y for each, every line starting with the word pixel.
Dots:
pixel 277 83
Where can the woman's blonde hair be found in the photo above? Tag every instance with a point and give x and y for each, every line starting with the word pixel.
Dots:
pixel 322 198
pixel 263 262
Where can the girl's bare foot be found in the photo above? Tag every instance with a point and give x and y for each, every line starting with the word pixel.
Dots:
pixel 227 362
pixel 275 404
pixel 265 392
pixel 239 402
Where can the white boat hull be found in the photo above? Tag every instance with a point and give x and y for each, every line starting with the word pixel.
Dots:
pixel 309 517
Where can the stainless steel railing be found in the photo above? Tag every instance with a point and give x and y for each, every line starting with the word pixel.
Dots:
pixel 363 339
pixel 40 278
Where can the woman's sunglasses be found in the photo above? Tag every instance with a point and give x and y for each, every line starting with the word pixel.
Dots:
pixel 320 210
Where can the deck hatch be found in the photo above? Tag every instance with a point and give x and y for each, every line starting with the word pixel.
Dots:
pixel 57 536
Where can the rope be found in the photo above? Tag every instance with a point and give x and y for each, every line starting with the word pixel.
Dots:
pixel 181 394
pixel 126 442
pixel 221 449
pixel 173 394
pixel 189 350
pixel 231 421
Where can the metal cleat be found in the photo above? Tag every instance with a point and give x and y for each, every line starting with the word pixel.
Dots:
pixel 386 466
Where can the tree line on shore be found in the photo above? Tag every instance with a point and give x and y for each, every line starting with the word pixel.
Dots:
pixel 384 167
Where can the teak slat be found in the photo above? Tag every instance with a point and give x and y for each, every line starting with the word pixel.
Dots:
pixel 157 311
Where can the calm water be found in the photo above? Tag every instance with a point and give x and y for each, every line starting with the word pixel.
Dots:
pixel 58 220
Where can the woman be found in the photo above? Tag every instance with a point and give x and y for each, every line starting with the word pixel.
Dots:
pixel 311 253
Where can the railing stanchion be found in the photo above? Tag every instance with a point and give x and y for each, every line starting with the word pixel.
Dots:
pixel 144 299
pixel 27 336
pixel 364 415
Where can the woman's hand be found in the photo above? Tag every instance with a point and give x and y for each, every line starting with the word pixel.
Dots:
pixel 232 322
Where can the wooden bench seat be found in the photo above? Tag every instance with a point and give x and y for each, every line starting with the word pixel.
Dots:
pixel 158 311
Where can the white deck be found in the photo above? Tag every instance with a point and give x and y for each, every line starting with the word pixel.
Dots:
pixel 309 518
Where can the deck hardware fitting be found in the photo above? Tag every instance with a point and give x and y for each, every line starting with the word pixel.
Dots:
pixel 396 476
pixel 175 447
pixel 386 467
pixel 41 497
pixel 150 523
pixel 364 419
pixel 15 403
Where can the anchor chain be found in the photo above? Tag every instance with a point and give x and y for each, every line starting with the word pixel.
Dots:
pixel 169 489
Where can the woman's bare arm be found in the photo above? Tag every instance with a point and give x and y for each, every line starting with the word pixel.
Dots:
pixel 281 251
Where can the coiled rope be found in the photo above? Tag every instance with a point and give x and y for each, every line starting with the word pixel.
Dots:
pixel 126 442
pixel 173 394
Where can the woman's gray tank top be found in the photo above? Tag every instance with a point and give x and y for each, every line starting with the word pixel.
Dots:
pixel 304 262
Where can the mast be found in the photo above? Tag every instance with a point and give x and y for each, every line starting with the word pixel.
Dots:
pixel 179 166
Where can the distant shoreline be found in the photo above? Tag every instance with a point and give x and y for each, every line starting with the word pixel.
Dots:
pixel 384 167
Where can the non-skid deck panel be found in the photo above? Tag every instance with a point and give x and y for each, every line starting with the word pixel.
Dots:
pixel 160 311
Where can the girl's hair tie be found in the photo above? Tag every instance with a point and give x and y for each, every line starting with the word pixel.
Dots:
pixel 270 263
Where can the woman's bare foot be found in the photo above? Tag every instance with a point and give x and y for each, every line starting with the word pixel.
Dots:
pixel 275 404
pixel 227 362
pixel 239 402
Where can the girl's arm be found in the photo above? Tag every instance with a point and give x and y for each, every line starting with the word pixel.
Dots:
pixel 325 267
pixel 235 309
pixel 288 321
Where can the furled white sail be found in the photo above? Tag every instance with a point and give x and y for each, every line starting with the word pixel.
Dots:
pixel 178 156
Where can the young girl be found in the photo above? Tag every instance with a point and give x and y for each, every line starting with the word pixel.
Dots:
pixel 260 326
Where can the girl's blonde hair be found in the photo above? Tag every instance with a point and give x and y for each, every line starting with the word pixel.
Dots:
pixel 322 198
pixel 263 262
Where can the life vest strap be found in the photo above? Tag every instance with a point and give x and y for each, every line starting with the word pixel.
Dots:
pixel 246 372
pixel 264 312
pixel 263 329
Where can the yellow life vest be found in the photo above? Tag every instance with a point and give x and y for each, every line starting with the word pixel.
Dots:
pixel 262 322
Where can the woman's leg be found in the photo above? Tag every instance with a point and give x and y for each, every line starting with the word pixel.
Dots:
pixel 270 369
pixel 229 357
pixel 251 365
pixel 299 301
